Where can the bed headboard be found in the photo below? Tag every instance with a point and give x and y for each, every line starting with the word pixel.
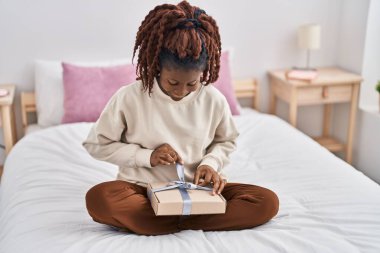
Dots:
pixel 247 88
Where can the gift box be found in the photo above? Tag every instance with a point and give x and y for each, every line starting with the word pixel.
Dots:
pixel 184 198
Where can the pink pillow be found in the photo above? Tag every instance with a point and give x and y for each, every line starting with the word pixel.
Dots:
pixel 88 89
pixel 224 83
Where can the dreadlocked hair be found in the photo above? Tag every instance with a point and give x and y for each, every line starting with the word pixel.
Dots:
pixel 181 36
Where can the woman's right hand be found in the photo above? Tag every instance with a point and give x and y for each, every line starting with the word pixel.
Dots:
pixel 165 155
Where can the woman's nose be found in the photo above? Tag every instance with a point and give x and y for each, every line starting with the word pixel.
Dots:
pixel 181 91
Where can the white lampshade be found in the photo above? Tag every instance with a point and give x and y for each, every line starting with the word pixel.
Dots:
pixel 309 36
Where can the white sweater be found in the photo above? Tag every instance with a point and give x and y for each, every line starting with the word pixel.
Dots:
pixel 199 127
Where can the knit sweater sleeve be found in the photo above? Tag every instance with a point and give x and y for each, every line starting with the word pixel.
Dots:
pixel 106 141
pixel 224 142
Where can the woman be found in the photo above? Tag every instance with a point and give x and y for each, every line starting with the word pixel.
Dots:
pixel 172 115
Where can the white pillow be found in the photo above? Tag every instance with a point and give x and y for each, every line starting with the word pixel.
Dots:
pixel 49 88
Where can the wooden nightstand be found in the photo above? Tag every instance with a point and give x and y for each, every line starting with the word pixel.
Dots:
pixel 333 85
pixel 7 117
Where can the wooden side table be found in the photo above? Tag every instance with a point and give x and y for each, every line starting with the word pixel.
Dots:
pixel 333 85
pixel 7 117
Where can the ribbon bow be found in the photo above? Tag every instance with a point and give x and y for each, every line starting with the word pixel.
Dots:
pixel 182 186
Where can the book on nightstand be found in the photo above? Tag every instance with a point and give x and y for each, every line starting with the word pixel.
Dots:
pixel 301 74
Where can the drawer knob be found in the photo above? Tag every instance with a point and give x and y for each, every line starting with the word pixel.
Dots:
pixel 325 93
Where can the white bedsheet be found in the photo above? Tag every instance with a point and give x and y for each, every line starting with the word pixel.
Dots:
pixel 325 204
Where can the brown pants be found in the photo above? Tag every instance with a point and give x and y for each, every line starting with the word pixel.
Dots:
pixel 126 205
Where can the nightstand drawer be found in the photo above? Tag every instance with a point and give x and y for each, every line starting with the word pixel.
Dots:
pixel 324 94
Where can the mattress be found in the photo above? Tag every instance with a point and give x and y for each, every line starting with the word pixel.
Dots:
pixel 32 128
pixel 326 205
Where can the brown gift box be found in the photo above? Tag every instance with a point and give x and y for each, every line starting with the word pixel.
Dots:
pixel 170 202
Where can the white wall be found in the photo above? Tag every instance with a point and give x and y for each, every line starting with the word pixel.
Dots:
pixel 367 144
pixel 263 34
pixel 367 149
pixel 360 26
pixel 350 54
pixel 369 98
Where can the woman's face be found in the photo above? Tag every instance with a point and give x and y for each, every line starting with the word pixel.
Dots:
pixel 178 83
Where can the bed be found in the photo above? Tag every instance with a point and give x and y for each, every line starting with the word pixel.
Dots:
pixel 326 205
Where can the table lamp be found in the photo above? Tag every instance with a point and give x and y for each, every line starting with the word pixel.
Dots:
pixel 309 38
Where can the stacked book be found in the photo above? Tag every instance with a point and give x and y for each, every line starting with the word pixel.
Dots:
pixel 302 74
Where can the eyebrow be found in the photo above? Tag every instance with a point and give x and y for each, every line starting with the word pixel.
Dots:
pixel 170 79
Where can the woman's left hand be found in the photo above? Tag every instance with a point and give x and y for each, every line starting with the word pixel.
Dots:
pixel 210 176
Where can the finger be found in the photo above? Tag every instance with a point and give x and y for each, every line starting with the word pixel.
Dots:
pixel 216 180
pixel 170 158
pixel 221 186
pixel 208 178
pixel 164 161
pixel 202 178
pixel 167 158
pixel 179 159
pixel 176 156
pixel 196 176
pixel 173 155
